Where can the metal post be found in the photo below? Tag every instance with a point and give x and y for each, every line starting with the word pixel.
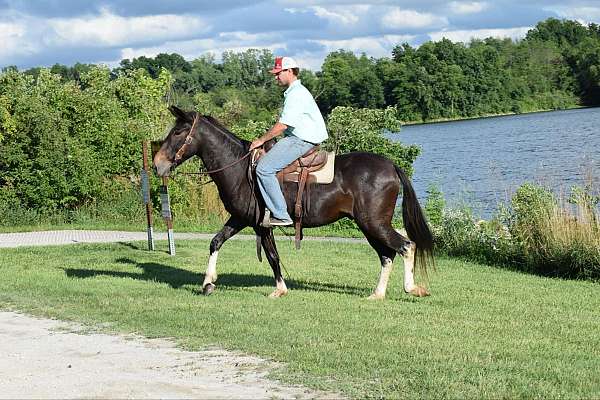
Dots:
pixel 166 213
pixel 146 194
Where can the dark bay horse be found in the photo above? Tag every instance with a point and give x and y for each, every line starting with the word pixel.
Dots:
pixel 365 189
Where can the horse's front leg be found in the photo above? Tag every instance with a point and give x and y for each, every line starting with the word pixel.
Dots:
pixel 268 244
pixel 232 226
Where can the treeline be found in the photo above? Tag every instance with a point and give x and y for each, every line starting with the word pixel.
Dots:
pixel 556 66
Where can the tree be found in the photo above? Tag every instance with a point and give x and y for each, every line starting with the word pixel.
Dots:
pixel 587 55
pixel 206 74
pixel 248 69
pixel 564 33
pixel 65 142
pixel 171 62
pixel 349 81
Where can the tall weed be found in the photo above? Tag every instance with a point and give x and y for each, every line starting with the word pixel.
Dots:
pixel 536 233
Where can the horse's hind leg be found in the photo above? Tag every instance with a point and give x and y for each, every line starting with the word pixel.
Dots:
pixel 232 226
pixel 409 273
pixel 387 242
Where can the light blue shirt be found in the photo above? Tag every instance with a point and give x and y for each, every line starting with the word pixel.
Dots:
pixel 301 114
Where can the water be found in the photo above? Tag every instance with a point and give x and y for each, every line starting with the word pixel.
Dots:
pixel 482 162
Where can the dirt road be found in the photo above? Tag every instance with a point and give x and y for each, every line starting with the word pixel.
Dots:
pixel 46 359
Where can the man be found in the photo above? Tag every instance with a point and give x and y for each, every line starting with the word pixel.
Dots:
pixel 302 127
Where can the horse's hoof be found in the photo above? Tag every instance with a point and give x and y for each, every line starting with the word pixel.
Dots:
pixel 404 249
pixel 277 293
pixel 376 297
pixel 208 289
pixel 419 291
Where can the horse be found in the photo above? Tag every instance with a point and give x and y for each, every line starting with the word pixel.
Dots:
pixel 365 189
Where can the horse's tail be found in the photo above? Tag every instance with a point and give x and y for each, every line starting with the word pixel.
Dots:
pixel 416 225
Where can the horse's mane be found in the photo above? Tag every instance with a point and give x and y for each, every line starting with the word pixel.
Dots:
pixel 217 124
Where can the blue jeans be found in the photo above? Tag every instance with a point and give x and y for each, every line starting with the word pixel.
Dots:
pixel 280 156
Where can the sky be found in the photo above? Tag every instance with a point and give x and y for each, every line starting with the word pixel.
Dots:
pixel 45 32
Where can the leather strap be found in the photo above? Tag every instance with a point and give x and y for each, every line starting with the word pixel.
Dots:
pixel 298 206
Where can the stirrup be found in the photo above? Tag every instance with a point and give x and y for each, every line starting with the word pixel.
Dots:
pixel 266 222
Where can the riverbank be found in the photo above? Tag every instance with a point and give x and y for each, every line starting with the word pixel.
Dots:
pixel 442 120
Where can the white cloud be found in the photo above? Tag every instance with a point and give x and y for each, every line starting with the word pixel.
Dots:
pixel 295 10
pixel 466 35
pixel 191 49
pixel 108 29
pixel 402 19
pixel 585 15
pixel 347 15
pixel 372 46
pixel 245 36
pixel 15 41
pixel 467 7
pixel 310 60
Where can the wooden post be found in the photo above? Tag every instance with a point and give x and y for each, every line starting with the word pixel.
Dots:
pixel 146 194
pixel 166 213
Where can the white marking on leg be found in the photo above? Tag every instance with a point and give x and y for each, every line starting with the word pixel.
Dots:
pixel 409 266
pixel 280 289
pixel 281 285
pixel 384 277
pixel 211 270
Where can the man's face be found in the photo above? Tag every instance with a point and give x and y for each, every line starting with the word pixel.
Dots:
pixel 284 77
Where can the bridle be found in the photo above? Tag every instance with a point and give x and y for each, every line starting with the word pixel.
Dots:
pixel 188 141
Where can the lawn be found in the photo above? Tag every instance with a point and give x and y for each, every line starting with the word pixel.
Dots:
pixel 484 332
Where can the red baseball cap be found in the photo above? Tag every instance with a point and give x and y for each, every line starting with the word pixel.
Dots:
pixel 282 63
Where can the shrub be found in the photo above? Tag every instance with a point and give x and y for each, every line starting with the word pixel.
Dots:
pixel 434 205
pixel 63 140
pixel 535 234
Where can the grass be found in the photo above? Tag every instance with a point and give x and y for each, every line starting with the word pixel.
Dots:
pixel 484 332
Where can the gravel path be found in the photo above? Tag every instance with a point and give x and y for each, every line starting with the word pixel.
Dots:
pixel 47 359
pixel 49 238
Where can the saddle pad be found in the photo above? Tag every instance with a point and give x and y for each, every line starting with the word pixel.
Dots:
pixel 325 174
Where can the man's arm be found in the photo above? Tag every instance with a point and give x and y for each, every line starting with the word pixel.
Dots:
pixel 275 131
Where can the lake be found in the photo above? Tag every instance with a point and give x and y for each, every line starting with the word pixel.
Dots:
pixel 482 162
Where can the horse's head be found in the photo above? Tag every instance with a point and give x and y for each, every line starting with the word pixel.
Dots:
pixel 180 144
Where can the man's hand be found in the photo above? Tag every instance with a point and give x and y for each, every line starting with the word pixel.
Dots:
pixel 275 131
pixel 256 143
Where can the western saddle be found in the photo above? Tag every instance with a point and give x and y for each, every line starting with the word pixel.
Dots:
pixel 315 166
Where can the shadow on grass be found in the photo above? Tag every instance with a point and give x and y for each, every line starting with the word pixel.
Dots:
pixel 176 278
pixel 144 247
pixel 153 272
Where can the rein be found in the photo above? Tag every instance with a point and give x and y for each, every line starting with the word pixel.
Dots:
pixel 217 170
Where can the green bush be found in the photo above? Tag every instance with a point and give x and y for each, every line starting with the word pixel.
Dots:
pixel 535 234
pixel 63 140
pixel 434 205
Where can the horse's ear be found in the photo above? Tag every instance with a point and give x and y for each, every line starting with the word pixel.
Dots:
pixel 178 113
